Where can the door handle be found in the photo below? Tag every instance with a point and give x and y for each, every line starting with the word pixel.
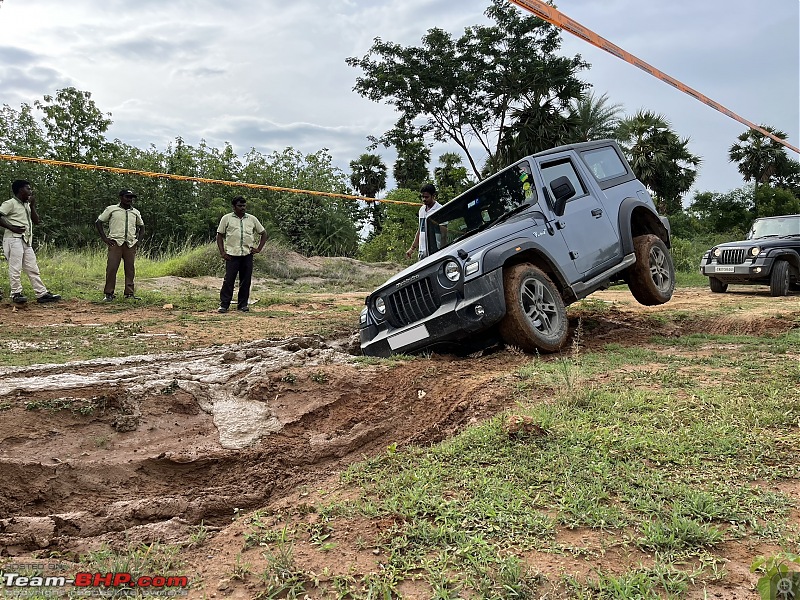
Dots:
pixel 597 213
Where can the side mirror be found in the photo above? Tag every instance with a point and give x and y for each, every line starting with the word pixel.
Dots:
pixel 562 191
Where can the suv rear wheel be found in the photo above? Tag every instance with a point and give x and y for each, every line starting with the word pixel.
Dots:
pixel 652 278
pixel 536 318
pixel 779 279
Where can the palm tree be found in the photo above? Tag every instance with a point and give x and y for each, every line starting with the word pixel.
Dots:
pixel 534 126
pixel 411 167
pixel 368 176
pixel 595 118
pixel 760 158
pixel 658 157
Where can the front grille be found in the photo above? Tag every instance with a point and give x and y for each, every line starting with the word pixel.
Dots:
pixel 412 303
pixel 732 257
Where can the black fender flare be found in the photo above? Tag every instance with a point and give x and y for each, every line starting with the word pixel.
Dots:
pixel 647 221
pixel 502 254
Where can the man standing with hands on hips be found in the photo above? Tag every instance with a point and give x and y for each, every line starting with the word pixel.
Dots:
pixel 236 237
pixel 18 215
pixel 125 227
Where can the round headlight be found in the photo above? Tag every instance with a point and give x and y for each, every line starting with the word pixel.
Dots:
pixel 717 251
pixel 380 306
pixel 451 271
pixel 754 251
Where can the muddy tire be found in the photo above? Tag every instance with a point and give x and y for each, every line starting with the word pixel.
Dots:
pixel 779 279
pixel 717 286
pixel 652 278
pixel 536 318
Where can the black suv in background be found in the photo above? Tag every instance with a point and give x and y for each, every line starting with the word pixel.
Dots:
pixel 769 256
pixel 509 254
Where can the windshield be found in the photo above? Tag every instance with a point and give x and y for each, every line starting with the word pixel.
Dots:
pixel 482 205
pixel 775 227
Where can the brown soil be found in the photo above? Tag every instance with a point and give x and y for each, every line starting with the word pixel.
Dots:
pixel 170 441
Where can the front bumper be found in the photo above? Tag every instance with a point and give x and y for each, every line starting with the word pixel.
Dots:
pixel 752 272
pixel 455 320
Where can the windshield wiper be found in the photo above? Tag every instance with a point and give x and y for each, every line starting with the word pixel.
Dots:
pixel 513 211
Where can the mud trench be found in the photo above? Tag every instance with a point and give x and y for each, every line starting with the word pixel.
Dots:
pixel 144 448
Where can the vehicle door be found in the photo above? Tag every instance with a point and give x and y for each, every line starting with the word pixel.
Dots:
pixel 585 225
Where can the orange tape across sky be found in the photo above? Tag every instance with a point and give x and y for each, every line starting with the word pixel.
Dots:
pixel 559 19
pixel 257 186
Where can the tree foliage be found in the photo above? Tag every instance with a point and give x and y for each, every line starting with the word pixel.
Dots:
pixel 368 176
pixel 398 230
pixel 659 158
pixel 467 90
pixel 72 129
pixel 594 118
pixel 760 158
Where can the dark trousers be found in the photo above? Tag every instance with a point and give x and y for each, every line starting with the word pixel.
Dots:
pixel 127 256
pixel 243 267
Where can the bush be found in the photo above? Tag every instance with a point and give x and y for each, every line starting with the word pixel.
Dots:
pixel 687 253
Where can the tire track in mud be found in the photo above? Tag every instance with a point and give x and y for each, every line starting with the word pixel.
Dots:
pixel 150 446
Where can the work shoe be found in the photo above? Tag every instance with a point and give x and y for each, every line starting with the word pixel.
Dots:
pixel 244 309
pixel 18 299
pixel 131 297
pixel 222 309
pixel 48 297
pixel 108 298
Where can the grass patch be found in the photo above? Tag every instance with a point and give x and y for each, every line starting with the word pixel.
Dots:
pixel 655 460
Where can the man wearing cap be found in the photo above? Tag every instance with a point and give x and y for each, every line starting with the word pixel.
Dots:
pixel 18 216
pixel 125 227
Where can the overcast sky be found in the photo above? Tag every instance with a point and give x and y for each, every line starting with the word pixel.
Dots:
pixel 268 74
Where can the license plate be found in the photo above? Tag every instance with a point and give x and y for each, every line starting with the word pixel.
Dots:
pixel 723 269
pixel 415 334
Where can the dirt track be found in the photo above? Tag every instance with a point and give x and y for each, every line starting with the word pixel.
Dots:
pixel 145 448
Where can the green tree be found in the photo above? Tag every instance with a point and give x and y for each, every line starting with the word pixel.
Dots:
pixel 772 201
pixel 75 126
pixel 729 213
pixel 411 167
pixel 398 230
pixel 759 157
pixel 311 224
pixel 451 177
pixel 368 176
pixel 465 90
pixel 659 158
pixel 533 128
pixel 75 129
pixel 594 118
pixel 20 135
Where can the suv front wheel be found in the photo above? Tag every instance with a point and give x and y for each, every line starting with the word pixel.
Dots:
pixel 779 279
pixel 536 318
pixel 652 278
pixel 717 286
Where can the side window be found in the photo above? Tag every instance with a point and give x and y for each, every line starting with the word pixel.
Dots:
pixel 562 168
pixel 604 163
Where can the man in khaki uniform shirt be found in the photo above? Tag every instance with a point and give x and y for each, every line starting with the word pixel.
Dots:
pixel 18 215
pixel 125 227
pixel 236 237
